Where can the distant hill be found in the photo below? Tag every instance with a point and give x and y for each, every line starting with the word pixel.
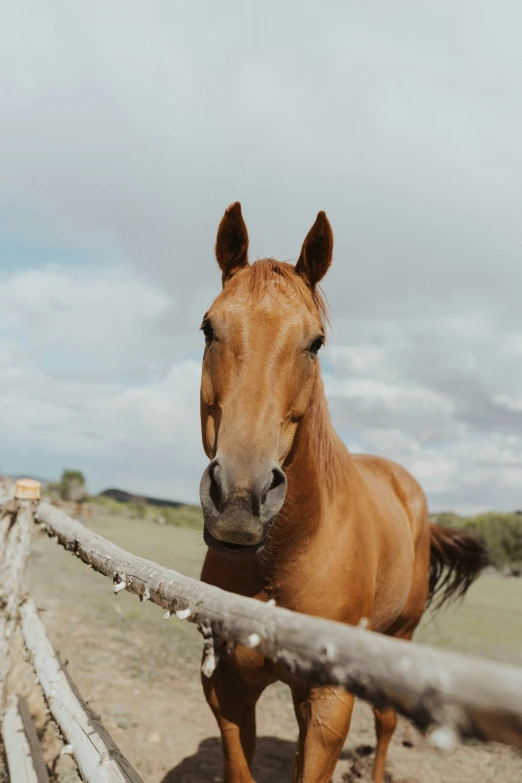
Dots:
pixel 126 497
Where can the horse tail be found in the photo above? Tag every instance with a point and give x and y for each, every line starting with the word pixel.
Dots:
pixel 457 558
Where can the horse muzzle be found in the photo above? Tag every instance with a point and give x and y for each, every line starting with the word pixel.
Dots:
pixel 237 511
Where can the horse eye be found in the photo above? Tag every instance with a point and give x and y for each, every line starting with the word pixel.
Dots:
pixel 208 331
pixel 316 345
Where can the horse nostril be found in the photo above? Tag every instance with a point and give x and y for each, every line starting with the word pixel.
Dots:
pixel 278 478
pixel 216 487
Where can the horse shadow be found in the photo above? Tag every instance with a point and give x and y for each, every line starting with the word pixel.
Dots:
pixel 273 761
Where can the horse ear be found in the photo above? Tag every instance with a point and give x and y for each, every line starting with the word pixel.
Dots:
pixel 232 242
pixel 317 251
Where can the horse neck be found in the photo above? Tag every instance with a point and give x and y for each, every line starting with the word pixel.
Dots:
pixel 320 462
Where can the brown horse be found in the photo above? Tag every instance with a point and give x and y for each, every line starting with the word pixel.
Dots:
pixel 289 514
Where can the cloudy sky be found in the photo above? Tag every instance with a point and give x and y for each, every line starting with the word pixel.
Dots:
pixel 127 128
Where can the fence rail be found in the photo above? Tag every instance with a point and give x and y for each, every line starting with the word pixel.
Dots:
pixel 437 690
pixel 26 764
pixel 447 694
pixel 96 754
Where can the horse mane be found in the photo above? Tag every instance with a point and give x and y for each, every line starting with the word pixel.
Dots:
pixel 318 440
pixel 267 270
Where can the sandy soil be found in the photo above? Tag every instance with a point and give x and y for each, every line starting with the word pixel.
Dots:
pixel 141 674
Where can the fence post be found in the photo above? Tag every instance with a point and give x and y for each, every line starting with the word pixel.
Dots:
pixel 16 527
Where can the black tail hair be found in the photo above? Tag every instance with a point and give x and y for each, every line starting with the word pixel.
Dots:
pixel 457 558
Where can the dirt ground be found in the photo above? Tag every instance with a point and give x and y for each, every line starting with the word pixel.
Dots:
pixel 140 673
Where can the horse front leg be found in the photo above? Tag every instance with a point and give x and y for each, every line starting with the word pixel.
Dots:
pixel 324 716
pixel 233 702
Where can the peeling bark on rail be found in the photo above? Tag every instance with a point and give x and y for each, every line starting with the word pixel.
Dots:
pixel 99 759
pixel 450 694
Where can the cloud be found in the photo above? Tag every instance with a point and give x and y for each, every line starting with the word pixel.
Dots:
pixel 91 375
pixel 125 407
pixel 381 120
pixel 149 433
pixel 111 324
pixel 425 393
pixel 125 133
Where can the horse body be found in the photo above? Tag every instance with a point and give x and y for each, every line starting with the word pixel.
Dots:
pixel 290 515
pixel 345 554
pixel 359 550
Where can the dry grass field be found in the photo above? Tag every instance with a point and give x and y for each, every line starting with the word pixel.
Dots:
pixel 141 673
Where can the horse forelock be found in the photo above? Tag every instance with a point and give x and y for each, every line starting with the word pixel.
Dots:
pixel 266 273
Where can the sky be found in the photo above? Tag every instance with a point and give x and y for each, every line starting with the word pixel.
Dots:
pixel 126 130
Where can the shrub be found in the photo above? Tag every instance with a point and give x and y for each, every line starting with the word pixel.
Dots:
pixel 183 516
pixel 501 532
pixel 72 486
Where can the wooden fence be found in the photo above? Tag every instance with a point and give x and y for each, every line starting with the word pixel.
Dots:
pixel 448 695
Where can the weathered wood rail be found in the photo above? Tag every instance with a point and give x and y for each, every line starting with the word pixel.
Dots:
pixel 446 694
pixel 435 689
pixel 98 758
pixel 26 764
